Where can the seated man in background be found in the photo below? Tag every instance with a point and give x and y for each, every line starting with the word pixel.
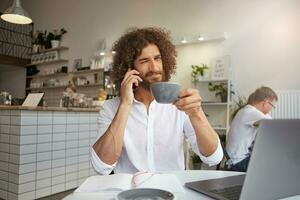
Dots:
pixel 135 132
pixel 244 127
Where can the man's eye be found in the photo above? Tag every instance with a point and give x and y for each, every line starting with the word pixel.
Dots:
pixel 144 61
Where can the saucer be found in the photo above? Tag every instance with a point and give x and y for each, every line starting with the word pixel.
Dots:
pixel 145 194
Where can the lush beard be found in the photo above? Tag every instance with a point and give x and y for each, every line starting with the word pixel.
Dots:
pixel 146 84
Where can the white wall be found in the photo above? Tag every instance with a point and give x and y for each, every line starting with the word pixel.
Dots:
pixel 263 38
pixel 4 4
pixel 12 80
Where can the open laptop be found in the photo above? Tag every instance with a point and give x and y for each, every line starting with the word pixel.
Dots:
pixel 273 171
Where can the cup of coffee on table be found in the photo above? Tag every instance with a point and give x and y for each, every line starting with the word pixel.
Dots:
pixel 165 92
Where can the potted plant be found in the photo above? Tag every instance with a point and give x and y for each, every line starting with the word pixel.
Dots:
pixel 199 72
pixel 197 162
pixel 220 89
pixel 38 40
pixel 53 38
pixel 239 104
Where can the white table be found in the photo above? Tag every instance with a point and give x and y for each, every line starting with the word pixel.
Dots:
pixel 183 176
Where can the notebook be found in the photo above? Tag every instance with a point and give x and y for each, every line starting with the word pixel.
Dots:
pixel 273 171
pixel 33 99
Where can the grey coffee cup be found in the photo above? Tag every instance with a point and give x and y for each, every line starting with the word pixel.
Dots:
pixel 165 92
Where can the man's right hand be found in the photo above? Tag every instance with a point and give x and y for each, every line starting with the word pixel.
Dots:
pixel 131 78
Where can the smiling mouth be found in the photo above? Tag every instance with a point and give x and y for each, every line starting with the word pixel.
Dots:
pixel 153 74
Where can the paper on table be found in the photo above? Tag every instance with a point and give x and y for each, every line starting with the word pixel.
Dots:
pixel 167 182
pixel 119 182
pixel 105 183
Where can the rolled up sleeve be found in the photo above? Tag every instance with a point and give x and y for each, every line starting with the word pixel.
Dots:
pixel 99 165
pixel 104 120
pixel 212 159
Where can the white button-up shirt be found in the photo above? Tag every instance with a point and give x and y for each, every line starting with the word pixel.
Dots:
pixel 153 141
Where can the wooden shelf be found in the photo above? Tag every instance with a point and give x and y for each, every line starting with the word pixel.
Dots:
pixel 63 86
pixel 208 37
pixel 87 71
pixel 89 85
pixel 214 103
pixel 10 60
pixel 52 49
pixel 212 80
pixel 48 62
pixel 52 87
pixel 48 75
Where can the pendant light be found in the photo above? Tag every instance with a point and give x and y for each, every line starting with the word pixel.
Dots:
pixel 200 38
pixel 183 41
pixel 16 14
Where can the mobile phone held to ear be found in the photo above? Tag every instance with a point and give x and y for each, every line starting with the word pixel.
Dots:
pixel 134 86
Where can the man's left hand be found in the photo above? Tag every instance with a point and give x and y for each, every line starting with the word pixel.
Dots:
pixel 189 101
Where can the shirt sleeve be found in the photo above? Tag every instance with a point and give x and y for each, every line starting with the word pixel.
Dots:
pixel 250 116
pixel 99 165
pixel 105 118
pixel 211 160
pixel 214 158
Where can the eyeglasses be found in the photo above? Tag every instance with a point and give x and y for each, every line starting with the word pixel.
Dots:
pixel 273 106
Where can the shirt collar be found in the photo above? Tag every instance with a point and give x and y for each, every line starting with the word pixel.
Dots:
pixel 137 101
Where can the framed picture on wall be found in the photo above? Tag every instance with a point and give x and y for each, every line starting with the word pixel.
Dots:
pixel 220 68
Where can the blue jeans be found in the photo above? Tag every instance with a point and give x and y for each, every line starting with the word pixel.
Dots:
pixel 241 166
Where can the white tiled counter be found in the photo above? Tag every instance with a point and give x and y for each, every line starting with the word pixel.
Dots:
pixel 44 151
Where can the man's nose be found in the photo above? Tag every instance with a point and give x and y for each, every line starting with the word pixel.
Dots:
pixel 153 65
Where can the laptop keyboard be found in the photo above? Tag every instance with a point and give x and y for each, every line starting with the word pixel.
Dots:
pixel 232 193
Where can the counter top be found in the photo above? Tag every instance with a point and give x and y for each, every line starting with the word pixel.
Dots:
pixel 3 107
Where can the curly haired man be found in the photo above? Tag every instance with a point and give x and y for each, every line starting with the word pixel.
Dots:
pixel 135 132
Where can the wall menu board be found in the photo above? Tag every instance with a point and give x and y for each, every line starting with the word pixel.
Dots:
pixel 220 68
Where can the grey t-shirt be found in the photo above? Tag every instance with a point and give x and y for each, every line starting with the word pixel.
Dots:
pixel 242 132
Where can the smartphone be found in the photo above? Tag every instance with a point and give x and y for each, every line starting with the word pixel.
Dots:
pixel 133 85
